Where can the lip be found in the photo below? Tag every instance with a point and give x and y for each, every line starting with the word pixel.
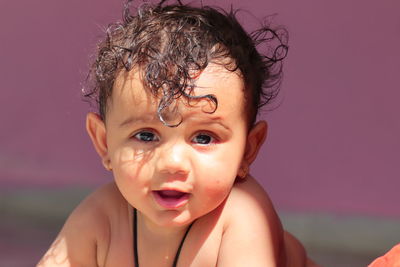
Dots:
pixel 171 198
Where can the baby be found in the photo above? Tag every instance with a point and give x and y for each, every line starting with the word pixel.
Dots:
pixel 178 89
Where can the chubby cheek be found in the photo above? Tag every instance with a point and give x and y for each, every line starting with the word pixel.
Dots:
pixel 129 166
pixel 218 173
pixel 216 188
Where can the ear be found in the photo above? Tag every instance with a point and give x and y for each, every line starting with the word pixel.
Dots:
pixel 97 132
pixel 255 139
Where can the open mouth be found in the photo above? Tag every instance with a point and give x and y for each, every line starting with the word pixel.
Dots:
pixel 171 198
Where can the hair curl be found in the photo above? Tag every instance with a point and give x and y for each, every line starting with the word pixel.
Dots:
pixel 171 42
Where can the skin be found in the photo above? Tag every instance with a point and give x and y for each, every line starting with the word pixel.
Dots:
pixel 235 222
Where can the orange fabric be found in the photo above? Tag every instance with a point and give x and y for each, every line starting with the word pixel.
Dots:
pixel 390 259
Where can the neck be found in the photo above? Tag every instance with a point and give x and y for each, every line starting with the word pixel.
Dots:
pixel 160 233
pixel 163 243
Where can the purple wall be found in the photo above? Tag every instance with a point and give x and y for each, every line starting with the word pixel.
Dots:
pixel 334 141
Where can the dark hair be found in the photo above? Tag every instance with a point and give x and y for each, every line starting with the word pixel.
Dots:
pixel 171 42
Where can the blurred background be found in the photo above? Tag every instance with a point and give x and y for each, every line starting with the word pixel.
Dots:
pixel 331 163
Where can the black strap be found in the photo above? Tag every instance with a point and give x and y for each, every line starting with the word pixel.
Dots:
pixel 181 245
pixel 135 238
pixel 135 245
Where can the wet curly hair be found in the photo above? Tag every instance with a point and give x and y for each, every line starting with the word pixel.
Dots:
pixel 171 42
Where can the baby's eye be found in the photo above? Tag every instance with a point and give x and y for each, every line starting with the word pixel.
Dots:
pixel 203 139
pixel 146 136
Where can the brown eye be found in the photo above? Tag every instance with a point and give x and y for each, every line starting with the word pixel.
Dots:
pixel 146 136
pixel 203 139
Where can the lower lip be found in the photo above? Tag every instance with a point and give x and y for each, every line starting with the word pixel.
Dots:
pixel 171 203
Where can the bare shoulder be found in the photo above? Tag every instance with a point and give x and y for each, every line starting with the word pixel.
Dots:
pixel 254 233
pixel 249 198
pixel 86 228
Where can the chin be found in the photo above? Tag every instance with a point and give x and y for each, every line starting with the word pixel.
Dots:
pixel 174 218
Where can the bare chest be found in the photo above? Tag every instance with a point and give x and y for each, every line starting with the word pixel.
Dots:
pixel 200 249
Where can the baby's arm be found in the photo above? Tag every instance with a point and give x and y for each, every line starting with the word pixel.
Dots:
pixel 76 243
pixel 253 234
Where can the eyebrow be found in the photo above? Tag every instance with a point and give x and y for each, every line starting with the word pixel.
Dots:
pixel 133 119
pixel 216 120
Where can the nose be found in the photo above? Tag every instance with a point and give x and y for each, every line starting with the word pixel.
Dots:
pixel 174 158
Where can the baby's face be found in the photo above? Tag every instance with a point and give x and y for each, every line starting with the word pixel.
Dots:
pixel 175 175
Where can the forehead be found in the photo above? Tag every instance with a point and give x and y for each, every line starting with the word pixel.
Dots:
pixel 130 98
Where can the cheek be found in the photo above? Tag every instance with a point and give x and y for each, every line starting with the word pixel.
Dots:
pixel 218 188
pixel 127 156
pixel 214 193
pixel 130 164
pixel 219 173
pixel 218 182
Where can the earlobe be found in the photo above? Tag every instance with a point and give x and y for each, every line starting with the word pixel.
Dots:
pixel 97 133
pixel 255 139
